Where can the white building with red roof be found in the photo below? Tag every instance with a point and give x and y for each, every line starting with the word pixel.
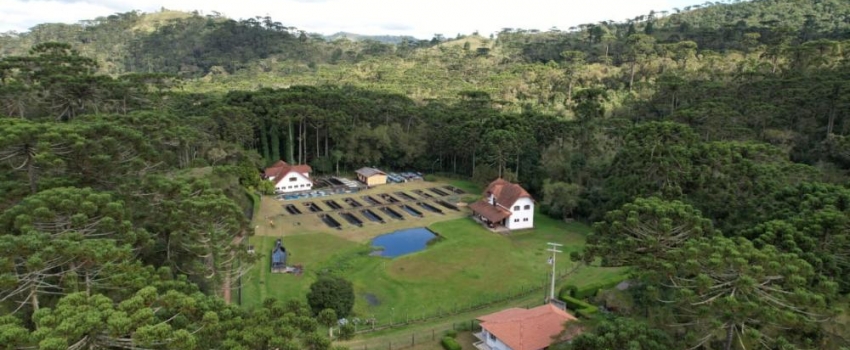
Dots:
pixel 289 178
pixel 505 204
pixel 524 329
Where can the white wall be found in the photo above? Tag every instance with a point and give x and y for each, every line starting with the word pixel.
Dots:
pixel 494 344
pixel 521 218
pixel 301 183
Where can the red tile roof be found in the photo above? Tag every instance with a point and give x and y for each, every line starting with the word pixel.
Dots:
pixel 506 193
pixel 489 211
pixel 281 168
pixel 527 329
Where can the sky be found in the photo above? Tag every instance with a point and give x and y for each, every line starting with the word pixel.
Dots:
pixel 418 18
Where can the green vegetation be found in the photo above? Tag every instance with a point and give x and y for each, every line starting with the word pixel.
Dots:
pixel 622 333
pixel 581 308
pixel 591 289
pixel 333 294
pixel 709 146
pixel 454 274
pixel 450 343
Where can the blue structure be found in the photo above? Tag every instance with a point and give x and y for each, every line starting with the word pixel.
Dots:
pixel 278 258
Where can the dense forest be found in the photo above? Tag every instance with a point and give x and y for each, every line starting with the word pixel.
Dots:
pixel 709 145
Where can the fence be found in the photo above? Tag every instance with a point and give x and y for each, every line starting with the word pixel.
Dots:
pixel 444 311
pixel 409 340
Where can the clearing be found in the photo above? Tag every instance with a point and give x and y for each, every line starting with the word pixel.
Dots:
pixel 468 266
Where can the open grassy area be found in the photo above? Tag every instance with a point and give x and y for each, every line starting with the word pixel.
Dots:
pixel 469 266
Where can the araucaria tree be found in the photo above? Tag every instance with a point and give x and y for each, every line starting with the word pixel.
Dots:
pixel 727 290
pixel 642 233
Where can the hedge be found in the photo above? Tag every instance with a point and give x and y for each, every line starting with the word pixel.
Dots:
pixel 590 290
pixel 568 290
pixel 450 343
pixel 581 308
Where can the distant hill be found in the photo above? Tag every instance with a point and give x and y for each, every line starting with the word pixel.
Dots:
pixel 387 39
pixel 194 45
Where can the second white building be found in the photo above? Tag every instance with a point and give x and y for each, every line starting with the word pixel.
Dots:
pixel 505 204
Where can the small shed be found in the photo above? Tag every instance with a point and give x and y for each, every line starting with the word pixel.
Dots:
pixel 278 264
pixel 371 176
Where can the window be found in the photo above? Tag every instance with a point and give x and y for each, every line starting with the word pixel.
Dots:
pixel 516 220
pixel 516 208
pixel 525 220
pixel 293 179
pixel 492 337
pixel 527 206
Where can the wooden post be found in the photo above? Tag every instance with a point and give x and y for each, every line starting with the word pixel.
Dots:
pixel 413 339
pixel 432 334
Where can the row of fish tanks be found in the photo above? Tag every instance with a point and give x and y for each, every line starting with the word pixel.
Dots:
pixel 382 214
pixel 385 199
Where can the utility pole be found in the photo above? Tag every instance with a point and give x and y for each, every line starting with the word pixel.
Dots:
pixel 553 247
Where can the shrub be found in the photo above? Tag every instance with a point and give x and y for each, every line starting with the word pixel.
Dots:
pixel 573 303
pixel 568 290
pixel 330 292
pixel 429 177
pixel 450 343
pixel 587 312
pixel 592 289
pixel 581 308
pixel 346 331
pixel 452 333
pixel 464 326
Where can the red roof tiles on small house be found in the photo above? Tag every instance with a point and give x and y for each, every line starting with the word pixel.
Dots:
pixel 489 211
pixel 527 329
pixel 506 193
pixel 281 168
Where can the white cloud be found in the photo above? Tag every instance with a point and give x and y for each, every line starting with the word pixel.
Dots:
pixel 419 18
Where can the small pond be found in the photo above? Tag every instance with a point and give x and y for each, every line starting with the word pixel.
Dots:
pixel 403 242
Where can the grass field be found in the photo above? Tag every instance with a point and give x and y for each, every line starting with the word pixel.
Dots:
pixel 470 265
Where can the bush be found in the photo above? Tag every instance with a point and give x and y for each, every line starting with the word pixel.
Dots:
pixel 568 290
pixel 346 332
pixel 587 312
pixel 573 303
pixel 330 292
pixel 581 308
pixel 452 334
pixel 450 343
pixel 592 289
pixel 429 178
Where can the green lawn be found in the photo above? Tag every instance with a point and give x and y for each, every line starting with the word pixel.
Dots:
pixel 466 185
pixel 470 265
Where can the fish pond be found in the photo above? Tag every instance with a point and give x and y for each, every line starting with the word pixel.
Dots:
pixel 402 242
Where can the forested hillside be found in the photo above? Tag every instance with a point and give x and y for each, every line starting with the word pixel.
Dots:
pixel 708 144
